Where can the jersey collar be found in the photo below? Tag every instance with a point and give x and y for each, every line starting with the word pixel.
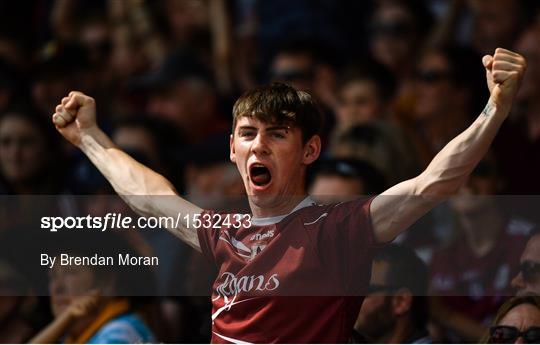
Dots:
pixel 308 201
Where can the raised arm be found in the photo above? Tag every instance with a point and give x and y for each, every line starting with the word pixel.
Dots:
pixel 145 191
pixel 400 206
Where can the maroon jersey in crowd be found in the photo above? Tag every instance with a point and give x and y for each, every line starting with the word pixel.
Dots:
pixel 477 286
pixel 293 278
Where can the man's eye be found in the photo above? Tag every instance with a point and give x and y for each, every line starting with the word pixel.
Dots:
pixel 247 134
pixel 278 135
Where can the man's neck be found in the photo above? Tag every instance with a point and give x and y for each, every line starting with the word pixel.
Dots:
pixel 280 206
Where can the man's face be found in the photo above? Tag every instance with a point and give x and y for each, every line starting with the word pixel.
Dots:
pixel 376 318
pixel 523 317
pixel 172 104
pixel 494 23
pixel 271 160
pixel 393 35
pixel 528 279
pixel 188 103
pixel 66 283
pixel 358 103
pixel 434 87
pixel 22 152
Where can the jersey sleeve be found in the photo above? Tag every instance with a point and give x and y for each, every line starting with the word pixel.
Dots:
pixel 347 244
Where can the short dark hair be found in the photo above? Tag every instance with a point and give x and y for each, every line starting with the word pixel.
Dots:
pixel 407 270
pixel 281 104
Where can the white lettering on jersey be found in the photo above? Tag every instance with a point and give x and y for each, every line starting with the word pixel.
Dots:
pixel 259 237
pixel 233 285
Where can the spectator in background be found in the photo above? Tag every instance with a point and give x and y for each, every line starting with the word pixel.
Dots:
pixel 187 23
pixel 396 309
pixel 522 133
pixel 306 65
pixel 365 125
pixel 397 31
pixel 496 23
pixel 383 146
pixel 181 92
pixel 447 95
pixel 338 180
pixel 527 281
pixel 29 155
pixel 517 322
pixel 472 275
pixel 85 298
pixel 211 179
pixel 365 93
pixel 15 305
pixel 59 68
pixel 150 140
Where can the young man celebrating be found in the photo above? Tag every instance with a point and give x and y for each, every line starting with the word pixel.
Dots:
pixel 292 247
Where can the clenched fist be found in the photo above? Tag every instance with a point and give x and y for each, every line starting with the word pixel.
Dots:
pixel 504 72
pixel 74 116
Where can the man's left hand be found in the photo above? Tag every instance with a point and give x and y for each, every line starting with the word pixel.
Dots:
pixel 504 72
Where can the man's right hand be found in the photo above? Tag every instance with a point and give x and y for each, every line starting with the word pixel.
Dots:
pixel 75 116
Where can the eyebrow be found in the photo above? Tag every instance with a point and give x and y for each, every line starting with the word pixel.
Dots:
pixel 268 129
pixel 277 128
pixel 247 127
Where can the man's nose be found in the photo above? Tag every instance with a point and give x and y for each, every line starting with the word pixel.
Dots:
pixel 260 145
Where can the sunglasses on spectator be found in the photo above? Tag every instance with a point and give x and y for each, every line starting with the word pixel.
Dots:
pixel 530 271
pixel 432 76
pixel 508 335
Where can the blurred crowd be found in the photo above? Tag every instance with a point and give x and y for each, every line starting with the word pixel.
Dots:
pixel 395 79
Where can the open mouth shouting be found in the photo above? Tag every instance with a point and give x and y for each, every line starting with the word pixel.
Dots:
pixel 260 175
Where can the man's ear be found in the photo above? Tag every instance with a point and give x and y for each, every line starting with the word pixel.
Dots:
pixel 312 150
pixel 402 302
pixel 232 154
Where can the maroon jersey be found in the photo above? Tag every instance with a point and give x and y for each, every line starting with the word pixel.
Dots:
pixel 293 278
